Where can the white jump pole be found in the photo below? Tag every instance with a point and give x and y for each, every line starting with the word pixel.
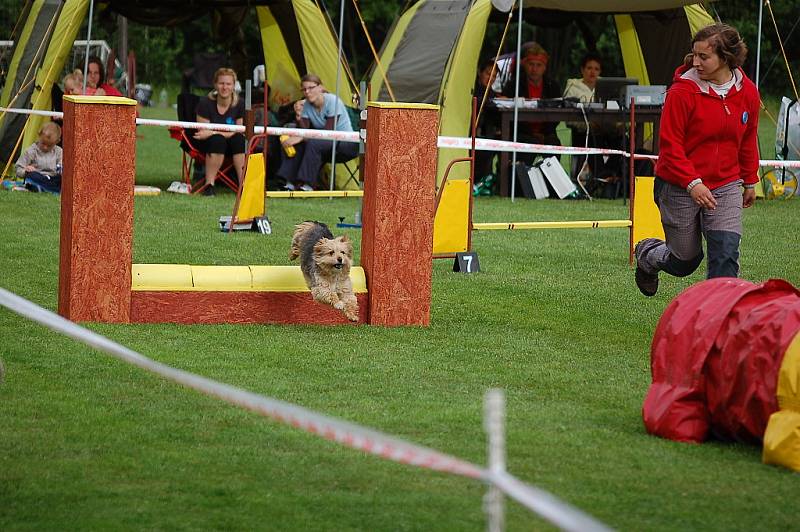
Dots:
pixel 494 411
pixel 88 44
pixel 516 102
pixel 758 43
pixel 332 183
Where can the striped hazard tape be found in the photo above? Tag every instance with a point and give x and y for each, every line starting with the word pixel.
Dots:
pixel 349 434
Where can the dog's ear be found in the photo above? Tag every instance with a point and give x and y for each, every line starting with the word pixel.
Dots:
pixel 322 247
pixel 348 246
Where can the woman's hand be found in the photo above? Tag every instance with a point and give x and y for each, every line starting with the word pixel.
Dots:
pixel 748 197
pixel 30 168
pixel 291 141
pixel 703 196
pixel 202 134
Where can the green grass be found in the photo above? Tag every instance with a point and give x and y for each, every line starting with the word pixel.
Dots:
pixel 88 442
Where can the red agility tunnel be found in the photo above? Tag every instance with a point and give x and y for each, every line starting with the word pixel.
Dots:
pixel 715 359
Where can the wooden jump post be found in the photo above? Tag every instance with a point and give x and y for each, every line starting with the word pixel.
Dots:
pixel 97 281
pixel 94 280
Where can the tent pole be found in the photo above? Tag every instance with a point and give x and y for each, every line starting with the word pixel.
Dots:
pixel 338 81
pixel 516 102
pixel 123 52
pixel 758 45
pixel 88 43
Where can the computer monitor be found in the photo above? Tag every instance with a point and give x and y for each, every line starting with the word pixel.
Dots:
pixel 612 88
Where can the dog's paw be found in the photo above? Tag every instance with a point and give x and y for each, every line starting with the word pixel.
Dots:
pixel 339 305
pixel 352 316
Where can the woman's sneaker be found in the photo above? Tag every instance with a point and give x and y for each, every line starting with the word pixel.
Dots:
pixel 646 282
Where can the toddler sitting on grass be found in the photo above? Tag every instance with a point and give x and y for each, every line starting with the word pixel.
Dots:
pixel 40 164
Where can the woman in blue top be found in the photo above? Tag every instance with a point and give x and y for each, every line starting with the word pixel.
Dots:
pixel 320 111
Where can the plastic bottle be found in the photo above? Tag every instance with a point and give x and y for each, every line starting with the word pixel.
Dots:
pixel 290 151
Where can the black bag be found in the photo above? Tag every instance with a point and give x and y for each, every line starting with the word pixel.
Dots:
pixel 523 182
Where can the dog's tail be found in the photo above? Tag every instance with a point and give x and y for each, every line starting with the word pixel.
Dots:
pixel 299 232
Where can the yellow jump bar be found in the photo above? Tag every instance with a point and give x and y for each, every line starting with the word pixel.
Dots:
pixel 582 224
pixel 315 194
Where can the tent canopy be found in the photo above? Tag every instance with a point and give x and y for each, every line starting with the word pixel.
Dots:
pixel 607 6
pixel 431 54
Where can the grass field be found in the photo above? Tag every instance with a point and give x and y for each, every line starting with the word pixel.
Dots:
pixel 89 443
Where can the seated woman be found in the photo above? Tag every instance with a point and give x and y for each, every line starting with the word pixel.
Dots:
pixel 320 110
pixel 96 79
pixel 222 106
pixel 603 169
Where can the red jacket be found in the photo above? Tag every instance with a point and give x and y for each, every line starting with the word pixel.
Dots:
pixel 705 136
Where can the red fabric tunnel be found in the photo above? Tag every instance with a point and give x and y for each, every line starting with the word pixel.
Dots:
pixel 715 358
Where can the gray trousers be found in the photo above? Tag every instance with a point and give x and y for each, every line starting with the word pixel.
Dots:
pixel 686 224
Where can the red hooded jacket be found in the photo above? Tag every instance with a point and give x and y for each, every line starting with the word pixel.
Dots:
pixel 706 136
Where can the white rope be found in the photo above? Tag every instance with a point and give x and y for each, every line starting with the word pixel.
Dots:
pixel 348 434
pixel 443 142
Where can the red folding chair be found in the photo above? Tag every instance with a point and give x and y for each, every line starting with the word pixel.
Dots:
pixel 193 160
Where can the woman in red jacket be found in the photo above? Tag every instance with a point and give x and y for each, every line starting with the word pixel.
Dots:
pixel 708 152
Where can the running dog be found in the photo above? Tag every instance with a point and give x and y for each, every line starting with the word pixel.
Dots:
pixel 325 262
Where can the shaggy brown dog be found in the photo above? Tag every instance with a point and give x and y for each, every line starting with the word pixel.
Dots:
pixel 325 262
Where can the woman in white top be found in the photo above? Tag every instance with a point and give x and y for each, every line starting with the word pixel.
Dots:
pixel 321 110
pixel 583 87
pixel 603 169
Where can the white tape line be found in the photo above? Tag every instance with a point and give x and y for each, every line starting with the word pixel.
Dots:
pixel 343 432
pixel 545 504
pixel 504 145
pixel 340 136
pixel 443 142
pixel 52 114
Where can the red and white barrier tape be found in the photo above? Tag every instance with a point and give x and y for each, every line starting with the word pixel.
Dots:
pixel 443 142
pixel 349 434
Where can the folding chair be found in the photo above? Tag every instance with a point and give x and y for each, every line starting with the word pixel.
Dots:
pixel 351 166
pixel 193 160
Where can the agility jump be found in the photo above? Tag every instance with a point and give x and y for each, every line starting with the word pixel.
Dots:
pixel 96 274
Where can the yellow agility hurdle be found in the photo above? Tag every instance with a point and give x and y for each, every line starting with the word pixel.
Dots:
pixel 315 194
pixel 579 224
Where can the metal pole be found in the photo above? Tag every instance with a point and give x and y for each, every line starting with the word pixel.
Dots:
pixel 516 103
pixel 494 424
pixel 123 53
pixel 338 78
pixel 758 44
pixel 88 41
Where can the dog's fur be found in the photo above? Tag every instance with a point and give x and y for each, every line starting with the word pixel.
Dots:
pixel 325 262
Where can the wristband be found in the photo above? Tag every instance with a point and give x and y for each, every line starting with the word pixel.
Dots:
pixel 693 184
pixel 748 187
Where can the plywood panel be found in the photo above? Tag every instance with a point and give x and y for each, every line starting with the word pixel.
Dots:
pixel 97 211
pixel 237 307
pixel 399 198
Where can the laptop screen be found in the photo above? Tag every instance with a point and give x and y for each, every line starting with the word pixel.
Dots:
pixel 612 88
